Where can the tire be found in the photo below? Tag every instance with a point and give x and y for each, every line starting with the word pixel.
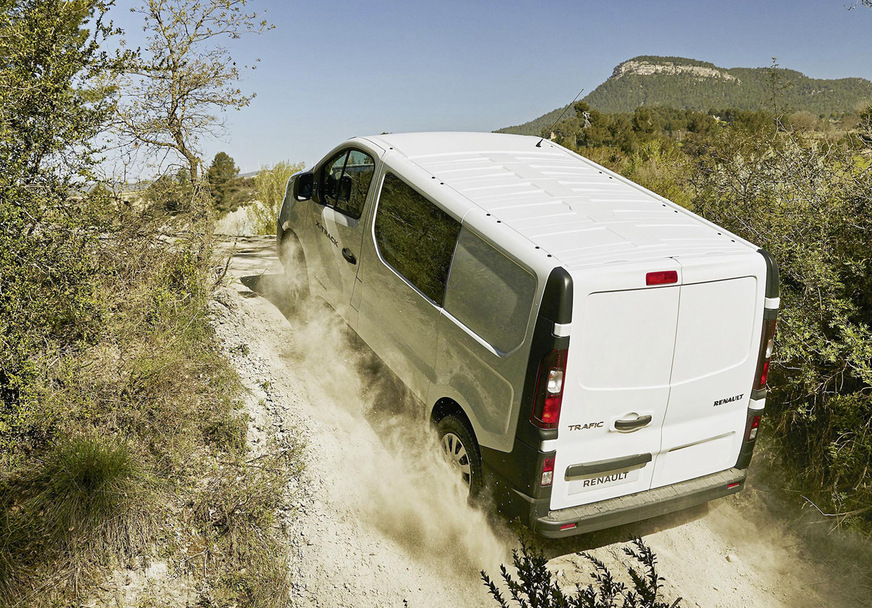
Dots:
pixel 294 265
pixel 461 449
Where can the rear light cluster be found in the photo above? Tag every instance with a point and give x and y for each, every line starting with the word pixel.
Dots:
pixel 547 472
pixel 767 345
pixel 751 431
pixel 548 397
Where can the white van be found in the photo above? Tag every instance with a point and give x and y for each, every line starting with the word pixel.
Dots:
pixel 590 352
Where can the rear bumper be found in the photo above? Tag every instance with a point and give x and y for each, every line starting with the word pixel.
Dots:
pixel 630 508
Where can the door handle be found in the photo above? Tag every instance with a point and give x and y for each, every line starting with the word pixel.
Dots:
pixel 599 467
pixel 632 425
pixel 349 257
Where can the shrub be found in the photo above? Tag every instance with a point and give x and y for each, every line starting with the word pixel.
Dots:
pixel 270 184
pixel 88 499
pixel 535 586
pixel 235 515
pixel 810 205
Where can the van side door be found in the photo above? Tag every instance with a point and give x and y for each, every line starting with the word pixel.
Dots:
pixel 403 280
pixel 343 185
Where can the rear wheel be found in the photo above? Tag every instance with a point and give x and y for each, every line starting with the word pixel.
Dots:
pixel 461 449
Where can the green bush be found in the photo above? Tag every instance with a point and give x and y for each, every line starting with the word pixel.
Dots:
pixel 270 184
pixel 104 334
pixel 536 587
pixel 90 490
pixel 87 499
pixel 810 205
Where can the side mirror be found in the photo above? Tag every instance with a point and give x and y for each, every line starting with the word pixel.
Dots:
pixel 304 184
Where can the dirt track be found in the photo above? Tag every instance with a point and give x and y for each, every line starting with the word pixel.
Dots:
pixel 382 522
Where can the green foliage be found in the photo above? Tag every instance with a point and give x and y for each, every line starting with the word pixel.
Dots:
pixel 810 205
pixel 104 334
pixel 270 184
pixel 227 188
pixel 47 302
pixel 865 124
pixel 536 586
pixel 89 498
pixel 84 484
pixel 171 194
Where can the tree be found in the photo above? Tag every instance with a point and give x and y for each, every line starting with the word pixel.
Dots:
pixel 184 77
pixel 49 115
pixel 223 177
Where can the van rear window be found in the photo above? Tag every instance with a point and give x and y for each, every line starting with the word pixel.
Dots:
pixel 415 237
pixel 489 293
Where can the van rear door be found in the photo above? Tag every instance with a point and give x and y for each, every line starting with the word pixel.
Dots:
pixel 616 389
pixel 716 347
pixel 658 376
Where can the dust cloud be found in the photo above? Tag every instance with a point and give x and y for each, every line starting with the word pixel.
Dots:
pixel 388 469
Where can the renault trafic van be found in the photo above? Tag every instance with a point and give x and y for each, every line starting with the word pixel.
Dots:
pixel 590 352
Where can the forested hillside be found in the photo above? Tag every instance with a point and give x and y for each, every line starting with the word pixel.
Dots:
pixel 687 84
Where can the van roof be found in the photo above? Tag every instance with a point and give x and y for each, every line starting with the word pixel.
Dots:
pixel 581 213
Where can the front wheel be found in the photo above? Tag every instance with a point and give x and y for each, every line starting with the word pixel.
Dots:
pixel 461 449
pixel 296 282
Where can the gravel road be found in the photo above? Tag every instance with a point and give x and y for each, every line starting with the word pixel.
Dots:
pixel 383 522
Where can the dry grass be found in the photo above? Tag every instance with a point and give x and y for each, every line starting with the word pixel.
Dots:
pixel 134 438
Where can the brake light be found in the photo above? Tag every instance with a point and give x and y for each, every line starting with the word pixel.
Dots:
pixel 547 472
pixel 751 431
pixel 767 346
pixel 548 397
pixel 664 277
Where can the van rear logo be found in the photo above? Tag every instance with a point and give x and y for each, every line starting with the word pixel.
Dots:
pixel 589 425
pixel 728 400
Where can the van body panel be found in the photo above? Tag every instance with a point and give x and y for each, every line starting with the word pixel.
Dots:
pixel 395 319
pixel 474 370
pixel 337 233
pixel 683 354
pixel 398 322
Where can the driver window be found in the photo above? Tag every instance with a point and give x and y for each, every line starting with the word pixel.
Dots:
pixel 345 181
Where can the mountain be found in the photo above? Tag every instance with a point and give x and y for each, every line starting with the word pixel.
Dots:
pixel 698 85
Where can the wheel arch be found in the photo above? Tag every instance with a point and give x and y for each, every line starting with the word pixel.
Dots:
pixel 283 239
pixel 446 406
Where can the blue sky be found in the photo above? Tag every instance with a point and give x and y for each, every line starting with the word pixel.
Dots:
pixel 333 70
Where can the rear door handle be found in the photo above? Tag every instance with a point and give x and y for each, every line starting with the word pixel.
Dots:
pixel 625 463
pixel 632 424
pixel 349 257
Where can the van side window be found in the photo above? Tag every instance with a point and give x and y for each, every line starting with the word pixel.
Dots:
pixel 345 181
pixel 415 237
pixel 489 293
